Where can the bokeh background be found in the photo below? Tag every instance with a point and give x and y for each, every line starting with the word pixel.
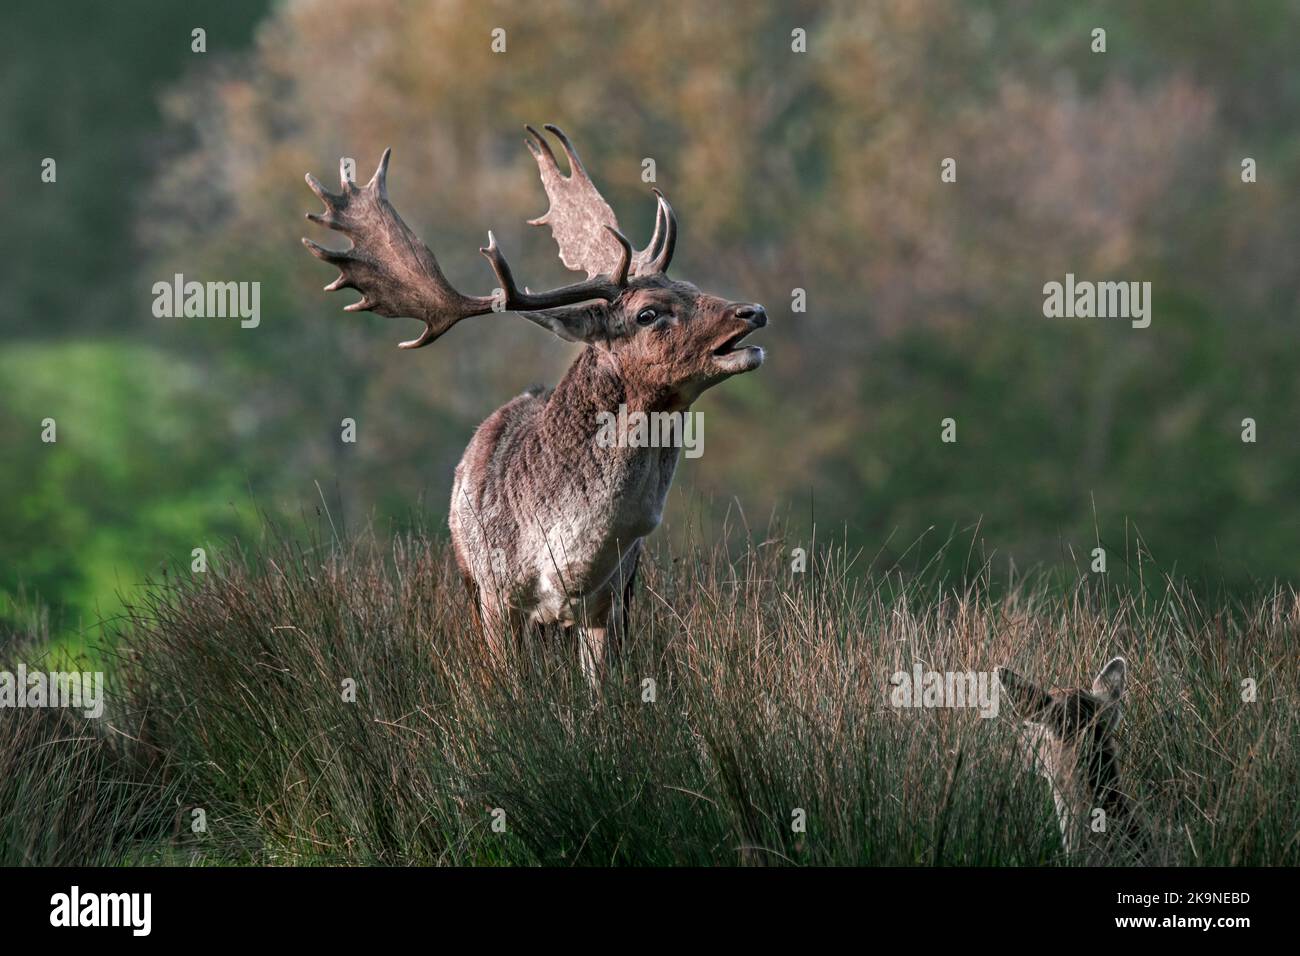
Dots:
pixel 817 171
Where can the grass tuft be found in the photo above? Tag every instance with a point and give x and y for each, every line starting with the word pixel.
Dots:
pixel 770 706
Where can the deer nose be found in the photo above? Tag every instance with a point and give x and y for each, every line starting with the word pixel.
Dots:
pixel 754 313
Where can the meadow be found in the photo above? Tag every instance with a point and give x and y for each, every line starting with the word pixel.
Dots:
pixel 330 702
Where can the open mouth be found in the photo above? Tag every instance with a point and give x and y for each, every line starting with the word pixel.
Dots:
pixel 734 357
pixel 729 346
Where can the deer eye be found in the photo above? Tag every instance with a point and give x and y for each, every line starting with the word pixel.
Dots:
pixel 646 316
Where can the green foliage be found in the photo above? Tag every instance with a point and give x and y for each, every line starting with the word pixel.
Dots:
pixel 131 485
pixel 1075 437
pixel 816 170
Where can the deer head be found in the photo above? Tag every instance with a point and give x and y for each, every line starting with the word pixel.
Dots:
pixel 669 340
pixel 1069 737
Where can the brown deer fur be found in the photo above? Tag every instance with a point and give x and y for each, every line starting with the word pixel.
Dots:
pixel 547 522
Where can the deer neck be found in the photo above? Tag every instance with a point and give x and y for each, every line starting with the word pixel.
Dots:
pixel 595 386
pixel 624 486
pixel 1093 784
pixel 593 391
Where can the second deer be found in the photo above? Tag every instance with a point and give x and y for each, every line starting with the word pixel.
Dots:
pixel 1069 737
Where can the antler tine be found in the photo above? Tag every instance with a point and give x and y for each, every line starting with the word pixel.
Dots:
pixel 333 257
pixel 619 275
pixel 646 255
pixel 332 203
pixel 379 181
pixel 500 267
pixel 525 301
pixel 324 195
pixel 540 148
pixel 663 255
pixel 575 164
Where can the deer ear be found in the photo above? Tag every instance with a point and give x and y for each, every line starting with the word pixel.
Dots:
pixel 1109 685
pixel 575 323
pixel 1028 700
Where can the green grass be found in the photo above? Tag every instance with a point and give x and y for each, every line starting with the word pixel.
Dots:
pixel 770 698
pixel 72 791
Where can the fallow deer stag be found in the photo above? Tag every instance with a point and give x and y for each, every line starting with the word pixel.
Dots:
pixel 1070 739
pixel 547 521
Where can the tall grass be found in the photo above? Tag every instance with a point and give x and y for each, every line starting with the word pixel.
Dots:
pixel 73 791
pixel 748 698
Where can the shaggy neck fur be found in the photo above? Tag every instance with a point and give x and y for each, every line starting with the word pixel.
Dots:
pixel 593 384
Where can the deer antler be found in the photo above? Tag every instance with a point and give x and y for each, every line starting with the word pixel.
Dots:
pixel 598 288
pixel 578 210
pixel 659 253
pixel 398 276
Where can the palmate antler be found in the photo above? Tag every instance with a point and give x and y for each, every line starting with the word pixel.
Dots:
pixel 578 211
pixel 398 276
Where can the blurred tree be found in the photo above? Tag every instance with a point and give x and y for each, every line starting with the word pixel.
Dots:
pixel 81 84
pixel 816 170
